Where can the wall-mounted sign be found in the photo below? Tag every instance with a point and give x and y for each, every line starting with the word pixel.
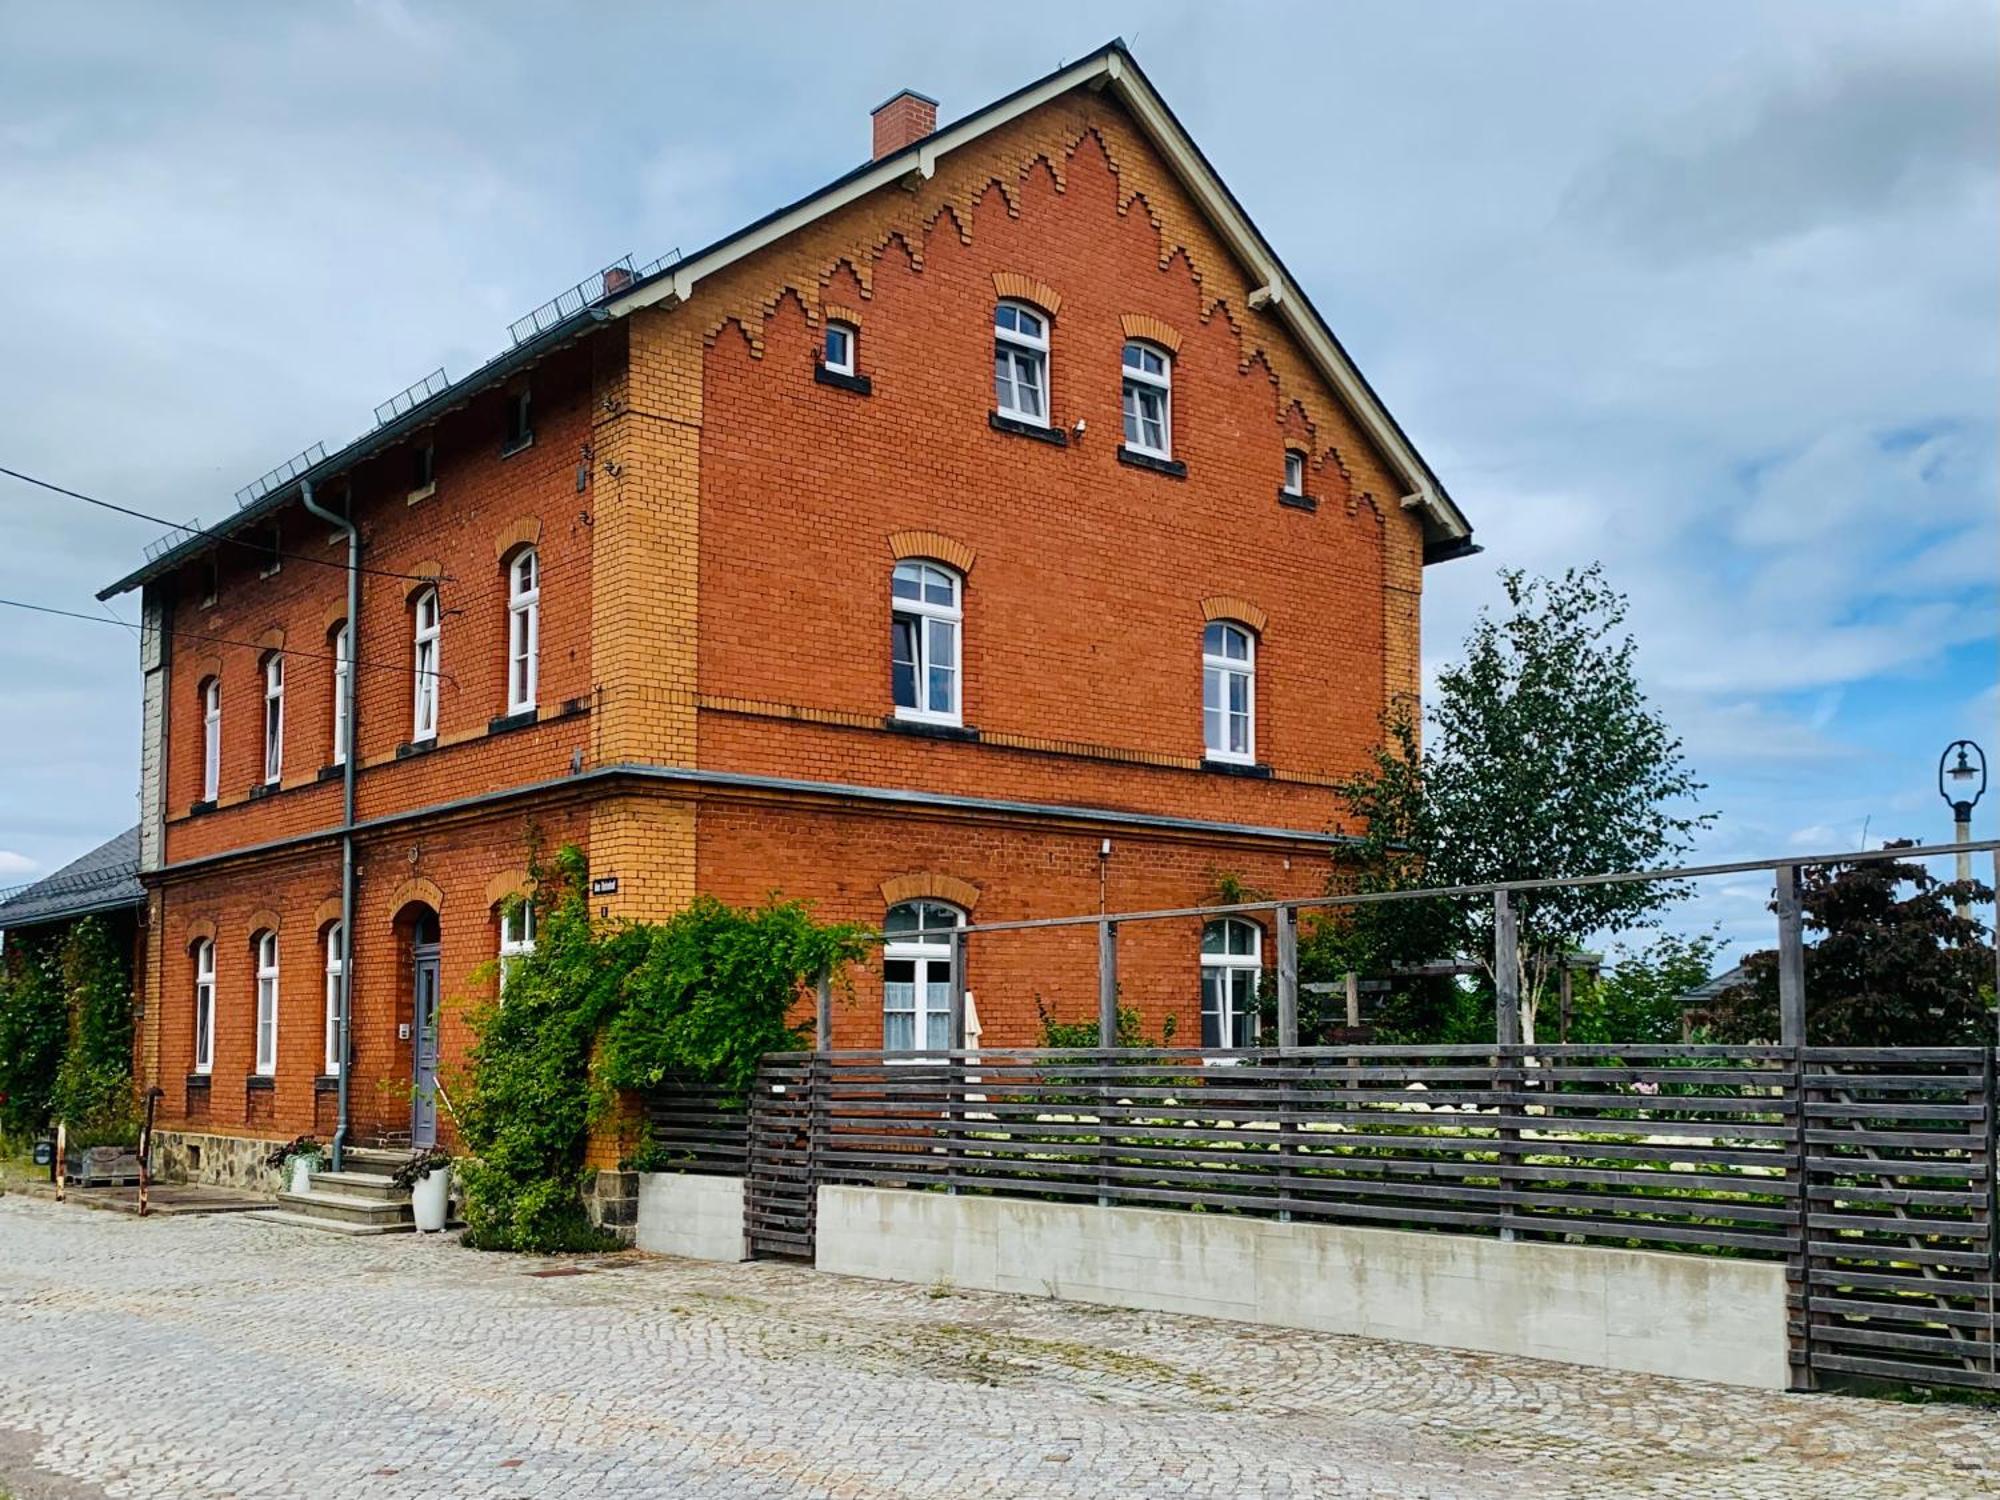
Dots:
pixel 604 885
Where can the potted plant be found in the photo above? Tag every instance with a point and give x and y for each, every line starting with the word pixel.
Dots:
pixel 427 1175
pixel 296 1161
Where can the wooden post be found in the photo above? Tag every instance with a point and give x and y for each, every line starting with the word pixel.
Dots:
pixel 1506 973
pixel 1353 999
pixel 1107 984
pixel 146 1151
pixel 62 1158
pixel 1791 961
pixel 957 991
pixel 1568 994
pixel 1288 978
pixel 823 1013
pixel 954 1065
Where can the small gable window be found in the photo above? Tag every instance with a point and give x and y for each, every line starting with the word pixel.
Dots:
pixel 838 355
pixel 1149 400
pixel 1295 472
pixel 519 432
pixel 1021 363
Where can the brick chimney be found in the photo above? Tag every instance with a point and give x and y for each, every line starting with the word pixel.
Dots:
pixel 905 117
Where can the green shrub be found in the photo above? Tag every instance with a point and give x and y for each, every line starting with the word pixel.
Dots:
pixel 34 1027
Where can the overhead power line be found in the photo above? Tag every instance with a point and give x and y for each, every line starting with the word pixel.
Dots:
pixel 221 640
pixel 234 541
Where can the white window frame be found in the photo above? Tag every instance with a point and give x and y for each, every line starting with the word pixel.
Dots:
pixel 928 950
pixel 333 970
pixel 848 334
pixel 521 413
pixel 428 650
pixel 926 613
pixel 204 1007
pixel 1230 972
pixel 211 739
pixel 274 718
pixel 267 1003
pixel 1020 350
pixel 1138 379
pixel 343 663
pixel 524 630
pixel 1219 668
pixel 517 937
pixel 1295 472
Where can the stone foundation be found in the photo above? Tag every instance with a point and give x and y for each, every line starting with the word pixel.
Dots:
pixel 235 1161
pixel 612 1200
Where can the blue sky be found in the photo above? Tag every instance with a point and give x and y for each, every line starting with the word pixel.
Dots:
pixel 1707 292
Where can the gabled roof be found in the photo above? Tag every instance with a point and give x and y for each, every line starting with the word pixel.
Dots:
pixel 1447 532
pixel 105 879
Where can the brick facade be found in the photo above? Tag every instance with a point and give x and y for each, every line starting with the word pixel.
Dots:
pixel 716 527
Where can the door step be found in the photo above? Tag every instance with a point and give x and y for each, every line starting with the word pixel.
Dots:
pixel 353 1184
pixel 326 1226
pixel 349 1208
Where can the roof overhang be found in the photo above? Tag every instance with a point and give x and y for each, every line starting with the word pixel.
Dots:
pixel 1447 533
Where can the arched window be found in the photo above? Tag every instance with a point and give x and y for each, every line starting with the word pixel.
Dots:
pixel 923 641
pixel 916 975
pixel 211 738
pixel 1231 964
pixel 267 1003
pixel 1021 363
pixel 333 971
pixel 274 718
pixel 524 630
pixel 204 1006
pixel 1229 692
pixel 424 722
pixel 838 356
pixel 517 935
pixel 343 664
pixel 1149 405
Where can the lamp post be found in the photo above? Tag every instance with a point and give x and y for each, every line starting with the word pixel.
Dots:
pixel 1962 764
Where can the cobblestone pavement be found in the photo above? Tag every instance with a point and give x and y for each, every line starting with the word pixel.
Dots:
pixel 214 1357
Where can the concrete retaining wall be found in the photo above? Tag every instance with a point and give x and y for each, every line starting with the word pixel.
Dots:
pixel 1688 1315
pixel 693 1216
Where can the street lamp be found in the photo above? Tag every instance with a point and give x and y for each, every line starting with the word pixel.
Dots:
pixel 1968 767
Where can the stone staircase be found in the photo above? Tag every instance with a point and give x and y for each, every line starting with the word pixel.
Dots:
pixel 358 1200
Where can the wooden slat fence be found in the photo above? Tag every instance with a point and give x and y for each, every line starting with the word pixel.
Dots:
pixel 1869 1173
pixel 696 1127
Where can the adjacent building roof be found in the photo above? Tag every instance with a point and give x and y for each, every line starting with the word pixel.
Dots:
pixel 106 879
pixel 1447 532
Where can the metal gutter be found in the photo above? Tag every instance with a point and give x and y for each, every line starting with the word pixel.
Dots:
pixel 70 914
pixel 497 369
pixel 743 781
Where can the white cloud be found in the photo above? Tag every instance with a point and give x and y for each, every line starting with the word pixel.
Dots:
pixel 14 866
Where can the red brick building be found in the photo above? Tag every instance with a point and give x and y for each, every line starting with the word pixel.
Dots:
pixel 998 528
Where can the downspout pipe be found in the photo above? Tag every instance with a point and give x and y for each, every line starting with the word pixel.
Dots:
pixel 347 770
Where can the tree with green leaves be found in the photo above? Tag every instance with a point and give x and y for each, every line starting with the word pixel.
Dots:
pixel 1640 997
pixel 1889 963
pixel 1541 758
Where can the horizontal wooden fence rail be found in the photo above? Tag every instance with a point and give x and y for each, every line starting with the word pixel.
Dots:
pixel 696 1127
pixel 1871 1173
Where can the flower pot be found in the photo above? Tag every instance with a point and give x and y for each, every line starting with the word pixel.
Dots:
pixel 430 1199
pixel 301 1172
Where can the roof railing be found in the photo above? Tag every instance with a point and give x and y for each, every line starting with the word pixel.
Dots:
pixel 411 397
pixel 608 282
pixel 283 475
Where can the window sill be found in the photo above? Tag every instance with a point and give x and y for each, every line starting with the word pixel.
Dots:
pixel 1132 458
pixel 1297 502
pixel 1054 436
pixel 860 385
pixel 1255 770
pixel 327 1083
pixel 262 790
pixel 519 445
pixel 261 1082
pixel 931 729
pixel 200 1080
pixel 206 805
pixel 416 747
pixel 520 719
pixel 330 773
pixel 422 493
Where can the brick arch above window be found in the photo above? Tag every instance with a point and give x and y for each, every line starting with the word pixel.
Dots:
pixel 934 545
pixel 526 532
pixel 207 667
pixel 264 920
pixel 426 574
pixel 1149 328
pixel 1230 607
pixel 1011 286
pixel 929 884
pixel 840 312
pixel 336 615
pixel 326 913
pixel 506 884
pixel 271 640
pixel 416 888
pixel 198 930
